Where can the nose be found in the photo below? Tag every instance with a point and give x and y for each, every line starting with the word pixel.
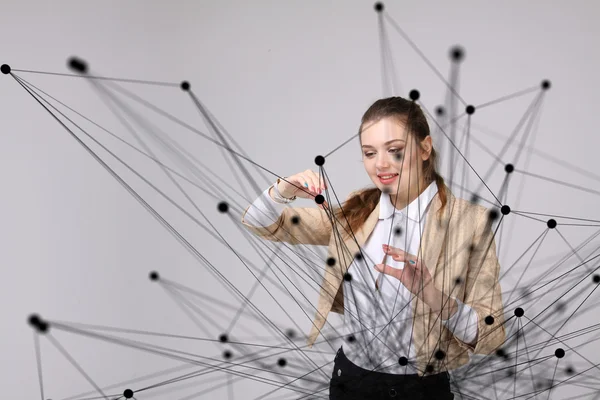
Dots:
pixel 383 162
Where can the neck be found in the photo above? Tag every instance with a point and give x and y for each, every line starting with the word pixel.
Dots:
pixel 401 200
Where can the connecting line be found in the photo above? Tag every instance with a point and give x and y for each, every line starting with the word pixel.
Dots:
pixel 420 53
pixel 508 97
pixel 532 109
pixel 540 313
pixel 66 354
pixel 170 353
pixel 192 202
pixel 459 152
pixel 182 240
pixel 100 78
pixel 38 358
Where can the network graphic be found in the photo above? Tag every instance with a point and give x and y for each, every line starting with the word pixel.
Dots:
pixel 251 311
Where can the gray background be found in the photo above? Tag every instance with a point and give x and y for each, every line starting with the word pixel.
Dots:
pixel 289 80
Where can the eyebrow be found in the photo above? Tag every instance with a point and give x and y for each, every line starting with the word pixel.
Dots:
pixel 388 142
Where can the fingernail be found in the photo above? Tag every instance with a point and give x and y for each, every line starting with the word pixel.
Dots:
pixel 305 184
pixel 412 262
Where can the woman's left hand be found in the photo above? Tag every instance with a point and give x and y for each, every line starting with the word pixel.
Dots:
pixel 414 276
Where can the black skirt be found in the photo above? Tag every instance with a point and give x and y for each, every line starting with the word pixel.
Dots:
pixel 349 382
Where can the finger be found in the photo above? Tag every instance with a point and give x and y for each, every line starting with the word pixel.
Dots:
pixel 320 181
pixel 392 250
pixel 308 182
pixel 314 183
pixel 305 183
pixel 388 270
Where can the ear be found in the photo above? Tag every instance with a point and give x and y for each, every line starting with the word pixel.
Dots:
pixel 426 146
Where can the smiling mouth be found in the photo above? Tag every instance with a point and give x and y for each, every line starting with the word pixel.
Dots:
pixel 387 178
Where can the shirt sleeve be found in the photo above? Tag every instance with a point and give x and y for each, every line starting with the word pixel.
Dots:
pixel 264 210
pixel 463 324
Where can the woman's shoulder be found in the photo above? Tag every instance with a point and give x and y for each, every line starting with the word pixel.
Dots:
pixel 467 209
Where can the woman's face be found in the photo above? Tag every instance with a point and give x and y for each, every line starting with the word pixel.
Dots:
pixel 388 149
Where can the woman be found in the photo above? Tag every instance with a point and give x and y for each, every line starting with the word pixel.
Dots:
pixel 434 298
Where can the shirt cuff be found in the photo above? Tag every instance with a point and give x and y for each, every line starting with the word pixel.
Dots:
pixel 463 324
pixel 264 211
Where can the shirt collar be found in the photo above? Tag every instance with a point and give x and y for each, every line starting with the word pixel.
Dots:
pixel 414 211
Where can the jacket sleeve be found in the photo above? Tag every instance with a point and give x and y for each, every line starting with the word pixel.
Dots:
pixel 482 289
pixel 295 225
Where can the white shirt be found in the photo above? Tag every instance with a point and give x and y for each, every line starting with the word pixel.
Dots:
pixel 378 343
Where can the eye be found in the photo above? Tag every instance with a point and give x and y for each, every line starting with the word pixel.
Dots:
pixel 368 154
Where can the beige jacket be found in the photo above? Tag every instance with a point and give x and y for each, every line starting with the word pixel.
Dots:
pixel 459 245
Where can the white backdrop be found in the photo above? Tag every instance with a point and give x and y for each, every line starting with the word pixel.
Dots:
pixel 288 80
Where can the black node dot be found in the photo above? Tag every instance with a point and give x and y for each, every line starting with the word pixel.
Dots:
pixel 439 111
pixel 38 323
pixel 223 338
pixel 560 306
pixel 282 362
pixel 510 372
pixel 5 69
pixel 429 368
pixel 471 247
pixel 351 338
pixel 227 354
pixel 319 199
pixel 403 361
pixel 154 276
pixel 489 320
pixel 128 393
pixel 493 215
pixel 457 54
pixel 458 281
pixel 551 223
pixel 519 312
pixel 347 276
pixel 78 65
pixel 569 370
pixel 43 328
pixel 358 256
pixel 185 86
pixel 440 354
pixel 559 353
pixel 291 333
pixel 414 95
pixel 331 261
pixel 295 220
pixel 379 7
pixel 223 207
pixel 596 278
pixel 398 156
pixel 319 160
pixel 501 353
pixel 470 110
pixel 505 210
pixel 397 231
pixel 546 84
pixel 474 198
pixel 34 320
pixel 509 168
pixel 387 190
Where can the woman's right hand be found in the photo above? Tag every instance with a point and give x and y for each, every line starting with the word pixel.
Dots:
pixel 308 180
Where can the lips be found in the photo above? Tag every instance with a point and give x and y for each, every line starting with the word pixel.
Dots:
pixel 387 178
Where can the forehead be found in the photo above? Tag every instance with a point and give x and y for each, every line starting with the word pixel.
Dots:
pixel 382 131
